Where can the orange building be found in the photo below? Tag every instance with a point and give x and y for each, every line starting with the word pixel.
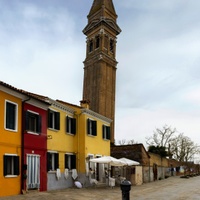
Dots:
pixel 10 140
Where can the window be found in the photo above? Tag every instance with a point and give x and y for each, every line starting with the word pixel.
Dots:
pixel 11 165
pixel 70 161
pixel 112 45
pixel 91 127
pixel 52 161
pixel 91 46
pixel 71 125
pixel 53 119
pixel 97 41
pixel 33 122
pixel 11 115
pixel 106 132
pixel 106 42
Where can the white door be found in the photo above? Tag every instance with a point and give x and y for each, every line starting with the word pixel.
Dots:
pixel 33 171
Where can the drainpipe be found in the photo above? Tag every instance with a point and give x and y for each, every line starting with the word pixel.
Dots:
pixel 22 146
pixel 78 141
pixel 149 171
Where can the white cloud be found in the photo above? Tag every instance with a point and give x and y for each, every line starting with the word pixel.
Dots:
pixel 193 96
pixel 138 124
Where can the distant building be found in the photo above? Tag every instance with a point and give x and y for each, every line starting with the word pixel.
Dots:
pixel 136 152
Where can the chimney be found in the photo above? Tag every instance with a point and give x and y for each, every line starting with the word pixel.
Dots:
pixel 85 103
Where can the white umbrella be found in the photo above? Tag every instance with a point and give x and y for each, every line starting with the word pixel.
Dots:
pixel 108 160
pixel 129 162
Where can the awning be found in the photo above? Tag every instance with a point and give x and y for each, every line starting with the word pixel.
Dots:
pixel 129 162
pixel 108 160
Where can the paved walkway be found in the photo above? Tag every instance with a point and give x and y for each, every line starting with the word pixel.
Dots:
pixel 173 188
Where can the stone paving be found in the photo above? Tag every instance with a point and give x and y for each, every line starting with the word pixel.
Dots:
pixel 173 188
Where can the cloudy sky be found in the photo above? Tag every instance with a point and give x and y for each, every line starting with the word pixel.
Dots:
pixel 42 49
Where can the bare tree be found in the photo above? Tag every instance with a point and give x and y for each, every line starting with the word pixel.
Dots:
pixel 183 148
pixel 122 142
pixel 161 137
pixel 126 142
pixel 131 142
pixel 180 147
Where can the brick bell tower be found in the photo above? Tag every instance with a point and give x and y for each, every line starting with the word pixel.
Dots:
pixel 100 64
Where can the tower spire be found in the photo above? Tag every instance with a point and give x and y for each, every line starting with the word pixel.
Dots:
pixel 102 6
pixel 102 11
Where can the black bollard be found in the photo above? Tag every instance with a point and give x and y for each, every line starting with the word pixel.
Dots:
pixel 125 187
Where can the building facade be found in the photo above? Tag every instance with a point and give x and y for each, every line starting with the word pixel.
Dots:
pixel 92 141
pixel 10 140
pixel 100 64
pixel 61 146
pixel 34 144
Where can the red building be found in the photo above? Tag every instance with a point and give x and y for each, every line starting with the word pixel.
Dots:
pixel 34 144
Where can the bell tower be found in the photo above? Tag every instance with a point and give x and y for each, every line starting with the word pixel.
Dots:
pixel 100 64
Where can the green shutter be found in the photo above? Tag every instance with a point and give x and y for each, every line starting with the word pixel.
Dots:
pixel 57 120
pixel 39 124
pixel 26 121
pixel 108 132
pixel 73 161
pixel 103 131
pixel 5 165
pixel 88 126
pixel 56 161
pixel 48 161
pixel 66 161
pixel 74 126
pixel 10 115
pixel 67 124
pixel 94 128
pixel 49 119
pixel 16 165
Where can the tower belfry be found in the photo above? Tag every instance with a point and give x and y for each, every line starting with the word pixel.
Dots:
pixel 100 63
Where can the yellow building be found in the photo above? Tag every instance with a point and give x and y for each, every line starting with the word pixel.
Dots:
pixel 93 140
pixel 61 145
pixel 75 134
pixel 10 140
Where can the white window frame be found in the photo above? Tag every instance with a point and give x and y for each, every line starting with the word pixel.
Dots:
pixel 16 116
pixel 31 132
pixel 70 125
pixel 90 127
pixel 53 119
pixel 53 160
pixel 105 136
pixel 70 160
pixel 12 165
